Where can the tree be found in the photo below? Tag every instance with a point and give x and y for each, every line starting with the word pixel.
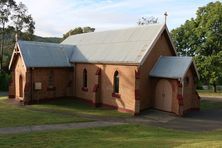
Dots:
pixel 10 12
pixel 5 11
pixel 202 37
pixel 147 20
pixel 78 30
pixel 210 69
pixel 88 29
pixel 185 38
pixel 23 21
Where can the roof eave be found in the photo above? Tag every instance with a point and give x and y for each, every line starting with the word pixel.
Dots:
pixel 164 27
pixel 195 69
pixel 13 54
pixel 49 66
pixel 105 62
pixel 153 43
pixel 165 77
pixel 171 41
pixel 12 57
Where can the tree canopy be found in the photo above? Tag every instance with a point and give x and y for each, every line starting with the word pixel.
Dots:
pixel 78 30
pixel 14 18
pixel 147 20
pixel 201 37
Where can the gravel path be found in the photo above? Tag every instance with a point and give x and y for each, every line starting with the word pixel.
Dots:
pixel 35 128
pixel 203 120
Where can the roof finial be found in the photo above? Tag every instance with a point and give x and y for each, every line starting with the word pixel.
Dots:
pixel 166 14
pixel 16 37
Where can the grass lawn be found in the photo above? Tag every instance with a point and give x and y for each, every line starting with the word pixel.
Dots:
pixel 78 107
pixel 58 111
pixel 115 136
pixel 14 115
pixel 206 104
pixel 209 93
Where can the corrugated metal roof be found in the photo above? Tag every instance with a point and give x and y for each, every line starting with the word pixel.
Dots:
pixel 39 54
pixel 118 46
pixel 171 67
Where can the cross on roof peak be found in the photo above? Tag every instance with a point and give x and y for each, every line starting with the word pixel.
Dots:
pixel 165 14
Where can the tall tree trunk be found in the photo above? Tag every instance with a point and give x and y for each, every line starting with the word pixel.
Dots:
pixel 2 45
pixel 1 54
pixel 215 87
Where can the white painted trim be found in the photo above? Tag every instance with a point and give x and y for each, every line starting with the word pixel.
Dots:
pixel 12 57
pixel 195 68
pixel 171 41
pixel 153 43
pixel 188 67
pixel 13 54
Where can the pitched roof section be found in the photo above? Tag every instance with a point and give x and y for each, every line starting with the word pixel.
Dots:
pixel 118 46
pixel 38 54
pixel 124 46
pixel 172 67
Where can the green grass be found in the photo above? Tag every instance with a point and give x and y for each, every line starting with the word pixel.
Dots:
pixel 62 111
pixel 78 107
pixel 57 111
pixel 206 105
pixel 209 93
pixel 14 115
pixel 115 136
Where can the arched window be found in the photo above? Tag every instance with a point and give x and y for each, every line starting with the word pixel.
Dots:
pixel 51 79
pixel 116 82
pixel 85 78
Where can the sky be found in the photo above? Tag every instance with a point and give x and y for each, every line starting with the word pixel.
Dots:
pixel 55 17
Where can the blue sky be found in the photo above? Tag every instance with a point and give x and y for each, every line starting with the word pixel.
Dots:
pixel 55 17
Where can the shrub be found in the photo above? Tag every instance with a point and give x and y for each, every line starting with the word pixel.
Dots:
pixel 4 81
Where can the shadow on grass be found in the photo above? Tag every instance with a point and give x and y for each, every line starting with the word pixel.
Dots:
pixel 13 114
pixel 210 105
pixel 79 107
pixel 209 110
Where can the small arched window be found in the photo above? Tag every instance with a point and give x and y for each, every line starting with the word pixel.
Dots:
pixel 51 79
pixel 85 78
pixel 116 82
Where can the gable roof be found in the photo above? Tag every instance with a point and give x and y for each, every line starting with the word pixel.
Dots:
pixel 39 54
pixel 172 67
pixel 126 46
pixel 123 46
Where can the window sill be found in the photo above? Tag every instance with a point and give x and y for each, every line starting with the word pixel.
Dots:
pixel 84 89
pixel 116 95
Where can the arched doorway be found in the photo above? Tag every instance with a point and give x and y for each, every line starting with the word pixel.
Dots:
pixel 21 92
pixel 163 95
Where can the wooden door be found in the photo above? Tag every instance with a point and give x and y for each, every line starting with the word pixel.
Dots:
pixel 163 95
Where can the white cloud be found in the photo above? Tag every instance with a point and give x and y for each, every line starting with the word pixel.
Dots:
pixel 55 17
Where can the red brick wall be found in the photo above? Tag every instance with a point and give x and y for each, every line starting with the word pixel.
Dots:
pixel 163 48
pixel 189 91
pixel 62 83
pixel 126 89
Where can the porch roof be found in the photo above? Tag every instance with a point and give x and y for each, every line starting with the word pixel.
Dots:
pixel 172 67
